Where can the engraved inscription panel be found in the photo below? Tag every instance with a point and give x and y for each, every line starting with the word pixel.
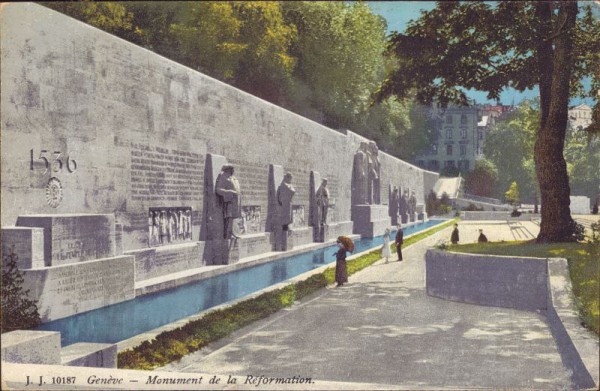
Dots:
pixel 75 288
pixel 162 174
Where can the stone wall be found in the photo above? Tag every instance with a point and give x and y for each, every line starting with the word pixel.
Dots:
pixel 512 282
pixel 94 124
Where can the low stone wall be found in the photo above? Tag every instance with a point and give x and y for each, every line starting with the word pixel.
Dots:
pixel 501 215
pixel 498 281
pixel 465 202
pixel 43 347
pixel 535 284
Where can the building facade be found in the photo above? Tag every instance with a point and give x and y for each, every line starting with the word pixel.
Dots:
pixel 460 136
pixel 580 117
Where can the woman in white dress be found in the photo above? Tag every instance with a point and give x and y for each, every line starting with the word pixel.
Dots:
pixel 385 250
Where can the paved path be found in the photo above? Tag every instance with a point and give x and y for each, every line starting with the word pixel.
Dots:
pixel 382 328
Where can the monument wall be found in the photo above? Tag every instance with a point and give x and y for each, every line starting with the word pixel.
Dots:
pixel 94 124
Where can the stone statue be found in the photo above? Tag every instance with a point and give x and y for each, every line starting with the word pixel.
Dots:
pixel 394 205
pixel 360 175
pixel 228 190
pixel 322 198
pixel 374 168
pixel 403 207
pixel 285 193
pixel 412 204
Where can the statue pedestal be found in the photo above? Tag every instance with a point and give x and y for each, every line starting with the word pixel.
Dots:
pixel 72 262
pixel 330 231
pixel 370 220
pixel 230 251
pixel 301 235
pixel 283 240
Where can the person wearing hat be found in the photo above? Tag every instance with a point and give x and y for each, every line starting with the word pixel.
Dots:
pixel 482 238
pixel 399 241
pixel 385 250
pixel 454 237
pixel 341 272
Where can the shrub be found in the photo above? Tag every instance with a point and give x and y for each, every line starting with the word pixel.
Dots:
pixel 18 312
pixel 515 213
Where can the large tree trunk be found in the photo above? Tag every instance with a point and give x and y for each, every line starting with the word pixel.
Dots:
pixel 555 62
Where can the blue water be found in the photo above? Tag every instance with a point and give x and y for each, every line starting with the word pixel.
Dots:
pixel 124 320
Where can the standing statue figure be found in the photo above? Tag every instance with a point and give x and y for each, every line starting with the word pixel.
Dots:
pixel 403 206
pixel 412 204
pixel 374 168
pixel 322 198
pixel 230 196
pixel 394 205
pixel 285 193
pixel 360 175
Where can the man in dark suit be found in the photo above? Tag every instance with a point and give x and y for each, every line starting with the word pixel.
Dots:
pixel 399 240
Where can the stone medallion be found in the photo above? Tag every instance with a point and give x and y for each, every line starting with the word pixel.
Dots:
pixel 54 193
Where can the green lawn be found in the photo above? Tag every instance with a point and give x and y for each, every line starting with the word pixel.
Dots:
pixel 584 268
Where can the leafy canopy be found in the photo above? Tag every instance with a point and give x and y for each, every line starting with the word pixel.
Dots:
pixel 483 46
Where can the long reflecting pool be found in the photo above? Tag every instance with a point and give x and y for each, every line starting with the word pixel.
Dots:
pixel 124 320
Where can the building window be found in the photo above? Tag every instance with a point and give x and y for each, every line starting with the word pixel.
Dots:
pixel 434 165
pixel 421 164
pixel 449 163
pixel 480 134
pixel 449 150
pixel 466 165
pixel 449 119
pixel 448 133
pixel 463 119
pixel 434 149
pixel 463 150
pixel 463 133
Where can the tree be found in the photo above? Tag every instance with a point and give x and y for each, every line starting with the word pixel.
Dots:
pixel 18 312
pixel 340 51
pixel 509 145
pixel 482 180
pixel 512 194
pixel 485 46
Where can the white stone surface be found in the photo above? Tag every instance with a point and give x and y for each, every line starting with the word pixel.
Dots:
pixel 31 347
pixel 580 205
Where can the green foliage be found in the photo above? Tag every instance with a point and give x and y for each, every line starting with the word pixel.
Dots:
pixel 432 204
pixel 512 194
pixel 108 16
pixel 582 154
pixel 18 312
pixel 340 57
pixel 482 180
pixel 450 172
pixel 172 345
pixel 509 145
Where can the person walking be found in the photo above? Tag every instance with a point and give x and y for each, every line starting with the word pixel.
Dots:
pixel 385 250
pixel 482 238
pixel 454 237
pixel 341 272
pixel 399 241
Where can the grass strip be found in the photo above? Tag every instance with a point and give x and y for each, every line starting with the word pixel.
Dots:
pixel 172 345
pixel 584 269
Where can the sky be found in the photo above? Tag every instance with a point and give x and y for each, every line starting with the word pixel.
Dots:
pixel 399 13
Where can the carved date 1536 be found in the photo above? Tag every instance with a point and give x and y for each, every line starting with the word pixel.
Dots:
pixel 55 164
